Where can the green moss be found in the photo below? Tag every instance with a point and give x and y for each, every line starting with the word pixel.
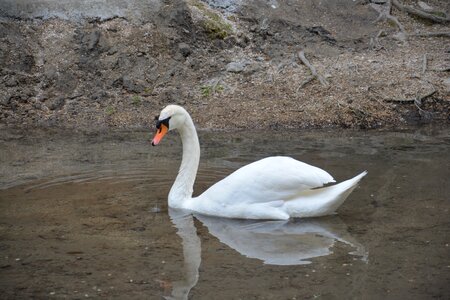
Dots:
pixel 216 29
pixel 391 23
pixel 208 90
pixel 110 110
pixel 214 25
pixel 136 100
pixel 148 90
pixel 219 88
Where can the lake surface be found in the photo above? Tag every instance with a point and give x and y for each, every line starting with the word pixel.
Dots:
pixel 85 215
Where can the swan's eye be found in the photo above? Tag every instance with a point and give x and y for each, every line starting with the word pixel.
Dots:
pixel 157 118
pixel 165 122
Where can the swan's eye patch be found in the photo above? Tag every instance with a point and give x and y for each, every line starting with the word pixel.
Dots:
pixel 165 122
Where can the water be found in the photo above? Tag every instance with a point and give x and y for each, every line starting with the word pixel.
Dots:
pixel 85 215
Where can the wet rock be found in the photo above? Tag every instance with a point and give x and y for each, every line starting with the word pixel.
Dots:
pixel 56 104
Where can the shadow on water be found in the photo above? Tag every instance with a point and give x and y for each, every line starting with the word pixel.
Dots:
pixel 85 215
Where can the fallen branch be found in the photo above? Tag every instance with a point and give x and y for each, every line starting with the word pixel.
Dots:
pixel 313 70
pixel 420 13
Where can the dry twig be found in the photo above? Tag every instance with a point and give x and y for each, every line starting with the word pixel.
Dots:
pixel 313 70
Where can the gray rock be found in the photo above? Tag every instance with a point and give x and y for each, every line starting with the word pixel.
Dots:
pixel 185 49
pixel 252 68
pixel 447 84
pixel 6 100
pixel 132 85
pixel 56 104
pixel 237 66
pixel 424 6
pixel 94 37
pixel 11 82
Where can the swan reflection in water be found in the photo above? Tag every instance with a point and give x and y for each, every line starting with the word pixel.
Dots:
pixel 290 242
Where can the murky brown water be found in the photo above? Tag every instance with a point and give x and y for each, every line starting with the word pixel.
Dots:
pixel 85 215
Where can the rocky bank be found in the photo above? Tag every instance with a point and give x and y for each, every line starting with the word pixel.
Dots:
pixel 232 63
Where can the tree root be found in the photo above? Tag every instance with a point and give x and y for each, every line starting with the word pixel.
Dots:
pixel 384 12
pixel 375 42
pixel 445 34
pixel 420 13
pixel 417 101
pixel 424 63
pixel 313 70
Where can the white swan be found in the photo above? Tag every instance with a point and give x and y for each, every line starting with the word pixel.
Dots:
pixel 272 188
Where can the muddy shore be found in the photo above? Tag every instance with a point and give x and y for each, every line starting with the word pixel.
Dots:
pixel 232 64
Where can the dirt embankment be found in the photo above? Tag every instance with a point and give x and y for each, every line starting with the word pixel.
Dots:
pixel 232 64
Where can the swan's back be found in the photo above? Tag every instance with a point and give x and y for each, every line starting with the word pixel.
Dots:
pixel 266 180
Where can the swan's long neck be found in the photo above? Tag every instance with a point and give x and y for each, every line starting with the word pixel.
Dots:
pixel 183 186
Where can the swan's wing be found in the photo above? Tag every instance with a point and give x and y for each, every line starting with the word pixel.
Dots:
pixel 268 181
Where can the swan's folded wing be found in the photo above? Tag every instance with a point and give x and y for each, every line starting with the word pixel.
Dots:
pixel 269 179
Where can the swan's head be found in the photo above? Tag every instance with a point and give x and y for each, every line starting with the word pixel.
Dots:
pixel 170 118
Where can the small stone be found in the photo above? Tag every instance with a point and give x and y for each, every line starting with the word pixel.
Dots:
pixel 5 101
pixel 112 50
pixel 424 6
pixel 11 82
pixel 447 84
pixel 57 104
pixel 184 49
pixel 132 85
pixel 237 66
pixel 155 209
pixel 94 37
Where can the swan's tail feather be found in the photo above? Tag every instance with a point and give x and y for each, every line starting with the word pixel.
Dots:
pixel 322 201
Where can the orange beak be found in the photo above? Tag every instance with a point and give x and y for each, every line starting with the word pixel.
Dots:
pixel 160 133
